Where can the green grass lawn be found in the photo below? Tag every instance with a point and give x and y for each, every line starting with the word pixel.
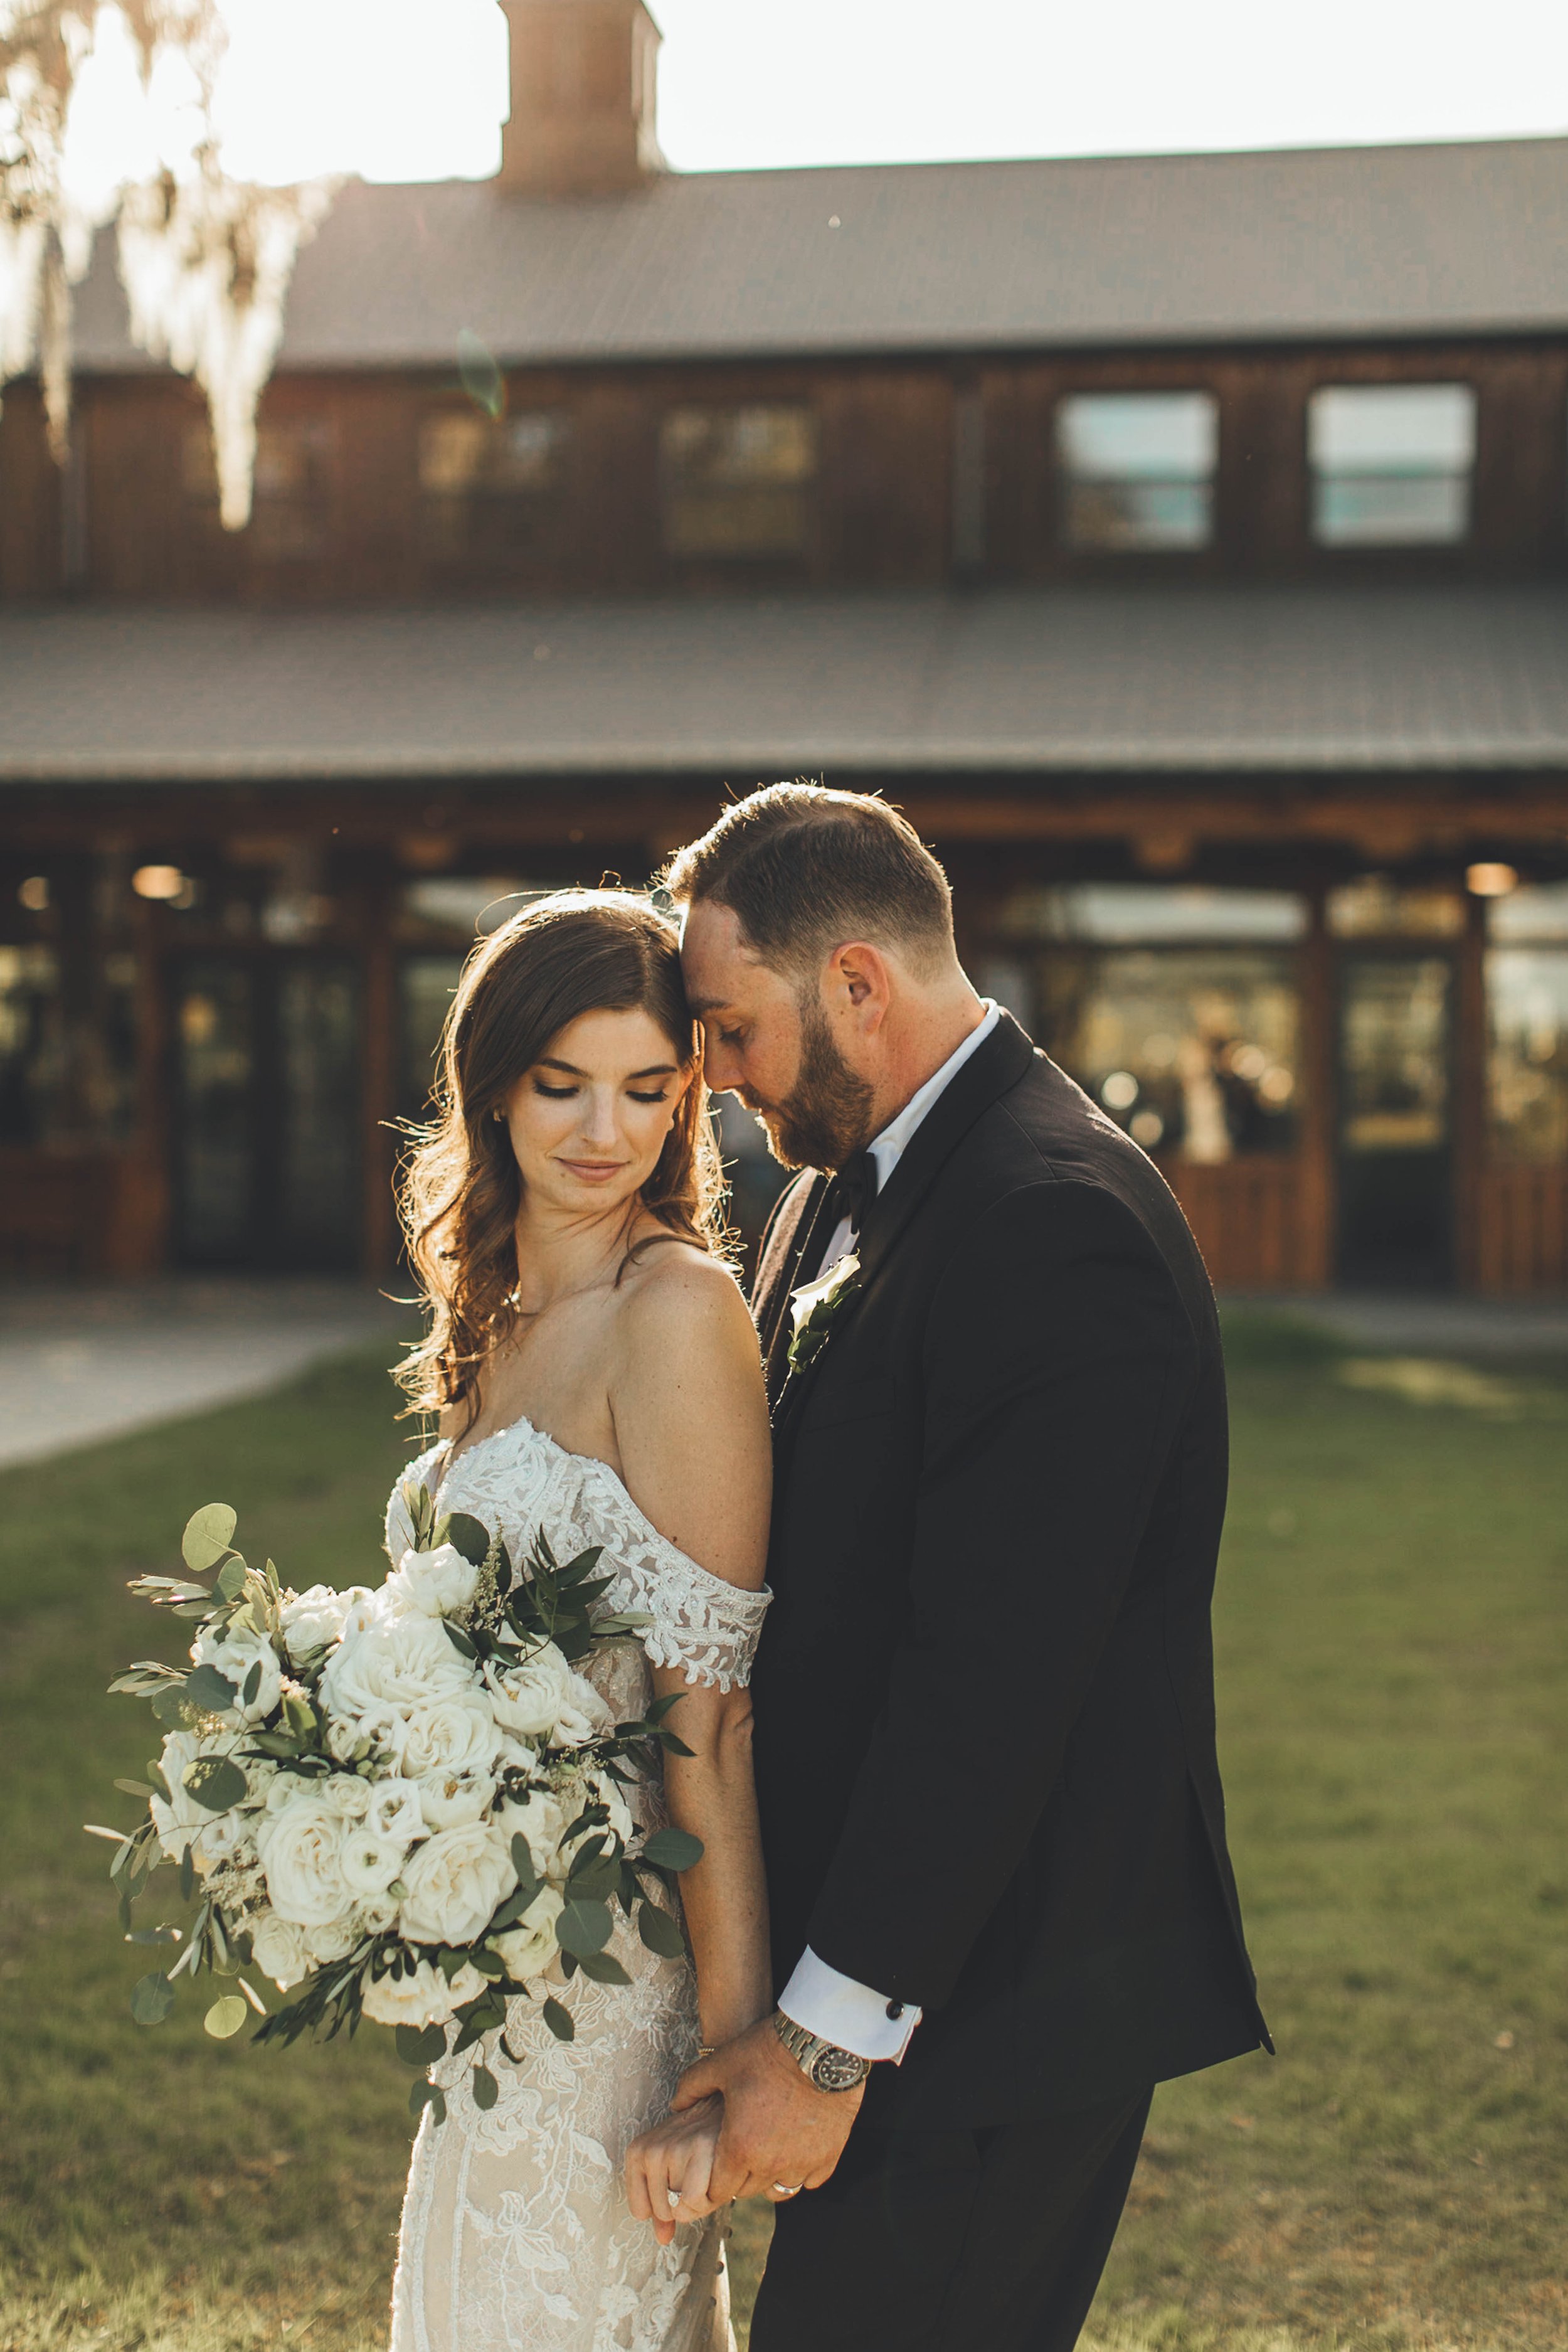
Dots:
pixel 1392 1636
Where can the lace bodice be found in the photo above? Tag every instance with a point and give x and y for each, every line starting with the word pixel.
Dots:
pixel 520 1480
pixel 516 2235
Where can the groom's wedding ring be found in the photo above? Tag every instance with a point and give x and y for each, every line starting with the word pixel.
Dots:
pixel 780 2190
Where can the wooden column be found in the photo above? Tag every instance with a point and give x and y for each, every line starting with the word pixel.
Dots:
pixel 1317 1149
pixel 378 1151
pixel 1469 1113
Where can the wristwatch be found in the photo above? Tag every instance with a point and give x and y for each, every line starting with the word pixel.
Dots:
pixel 825 2067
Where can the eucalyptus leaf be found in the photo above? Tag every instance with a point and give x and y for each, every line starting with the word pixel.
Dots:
pixel 170 1705
pixel 420 2045
pixel 252 1685
pixel 187 1875
pixel 425 2094
pixel 523 1864
pixel 231 1578
pixel 673 1849
pixel 559 2019
pixel 208 1533
pixel 225 2017
pixel 603 1968
pixel 485 2088
pixel 661 1933
pixel 468 1536
pixel 217 1782
pixel 151 1999
pixel 211 1692
pixel 583 1927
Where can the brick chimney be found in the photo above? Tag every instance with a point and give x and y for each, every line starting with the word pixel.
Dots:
pixel 583 100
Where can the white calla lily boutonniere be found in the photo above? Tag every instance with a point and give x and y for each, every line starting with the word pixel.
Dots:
pixel 815 1307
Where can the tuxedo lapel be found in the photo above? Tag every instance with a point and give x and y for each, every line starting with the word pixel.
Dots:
pixel 990 1072
pixel 786 1246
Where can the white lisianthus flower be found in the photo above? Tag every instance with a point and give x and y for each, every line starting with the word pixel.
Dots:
pixel 454 1882
pixel 448 1798
pixel 301 1853
pixel 528 1949
pixel 241 1649
pixel 370 1863
pixel 279 1948
pixel 316 1619
pixel 398 1663
pixel 422 1998
pixel 544 1821
pixel 379 1733
pixel 394 1810
pixel 437 1583
pixel 542 1697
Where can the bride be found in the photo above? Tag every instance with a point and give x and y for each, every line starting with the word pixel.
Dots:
pixel 597 1375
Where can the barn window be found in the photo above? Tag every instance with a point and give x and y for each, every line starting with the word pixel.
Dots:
pixel 1391 464
pixel 488 484
pixel 1137 469
pixel 739 481
pixel 292 502
pixel 1527 1005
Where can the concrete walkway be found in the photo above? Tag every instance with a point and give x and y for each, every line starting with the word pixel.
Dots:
pixel 78 1365
pixel 1425 1325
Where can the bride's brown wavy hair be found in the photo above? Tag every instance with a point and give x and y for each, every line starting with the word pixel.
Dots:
pixel 459 1189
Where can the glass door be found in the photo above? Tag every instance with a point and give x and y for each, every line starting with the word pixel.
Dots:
pixel 268 1085
pixel 1395 1176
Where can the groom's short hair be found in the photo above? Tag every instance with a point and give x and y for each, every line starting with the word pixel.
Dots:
pixel 803 870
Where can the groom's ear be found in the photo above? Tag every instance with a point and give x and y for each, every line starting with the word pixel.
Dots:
pixel 858 974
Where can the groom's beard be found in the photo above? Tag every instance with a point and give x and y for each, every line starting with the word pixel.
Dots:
pixel 827 1119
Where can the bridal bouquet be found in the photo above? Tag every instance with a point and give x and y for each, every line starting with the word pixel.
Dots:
pixel 406 1804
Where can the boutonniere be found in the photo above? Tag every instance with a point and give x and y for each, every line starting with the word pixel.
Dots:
pixel 815 1307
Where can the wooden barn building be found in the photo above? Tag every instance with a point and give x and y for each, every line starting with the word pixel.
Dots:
pixel 1183 542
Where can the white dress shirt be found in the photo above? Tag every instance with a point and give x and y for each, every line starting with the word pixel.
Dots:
pixel 851 2015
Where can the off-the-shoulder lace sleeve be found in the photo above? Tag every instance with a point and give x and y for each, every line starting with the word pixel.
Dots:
pixel 700 1626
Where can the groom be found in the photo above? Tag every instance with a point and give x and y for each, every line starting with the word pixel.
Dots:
pixel 1002 1905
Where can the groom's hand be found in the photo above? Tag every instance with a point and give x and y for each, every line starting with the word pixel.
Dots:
pixel 777 2129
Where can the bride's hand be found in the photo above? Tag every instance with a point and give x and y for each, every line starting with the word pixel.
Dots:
pixel 668 2169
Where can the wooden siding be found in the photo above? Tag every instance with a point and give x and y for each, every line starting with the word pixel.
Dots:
pixel 1520 1234
pixel 1249 1217
pixel 883 501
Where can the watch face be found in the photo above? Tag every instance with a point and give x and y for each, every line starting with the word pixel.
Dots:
pixel 836 2070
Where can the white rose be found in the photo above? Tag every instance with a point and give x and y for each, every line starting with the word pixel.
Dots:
pixel 528 1949
pixel 543 1821
pixel 241 1649
pixel 448 1798
pixel 376 1915
pixel 394 1810
pixel 314 1620
pixel 289 1789
pixel 301 1853
pixel 379 1733
pixel 345 1794
pixel 335 1941
pixel 437 1583
pixel 423 1997
pixel 279 1948
pixel 454 1882
pixel 451 1735
pixel 399 1662
pixel 369 1862
pixel 540 1697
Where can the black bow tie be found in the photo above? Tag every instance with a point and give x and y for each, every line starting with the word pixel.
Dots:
pixel 856 1180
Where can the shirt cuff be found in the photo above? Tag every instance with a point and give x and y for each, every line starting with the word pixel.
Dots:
pixel 849 2015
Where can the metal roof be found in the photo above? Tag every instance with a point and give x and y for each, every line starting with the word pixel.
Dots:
pixel 1136 250
pixel 1198 681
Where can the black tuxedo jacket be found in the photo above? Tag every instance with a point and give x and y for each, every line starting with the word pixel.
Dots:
pixel 985 1694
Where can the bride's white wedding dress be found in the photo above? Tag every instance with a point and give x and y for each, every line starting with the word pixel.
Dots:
pixel 516 2235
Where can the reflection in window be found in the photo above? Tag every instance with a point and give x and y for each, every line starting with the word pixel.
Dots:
pixel 1536 910
pixel 1394 1054
pixel 1391 464
pixel 32 1042
pixel 1375 906
pixel 1124 913
pixel 486 482
pixel 1527 1068
pixel 1137 469
pixel 1194 1050
pixel 463 908
pixel 739 481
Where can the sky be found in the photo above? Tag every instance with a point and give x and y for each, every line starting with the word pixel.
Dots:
pixel 764 83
